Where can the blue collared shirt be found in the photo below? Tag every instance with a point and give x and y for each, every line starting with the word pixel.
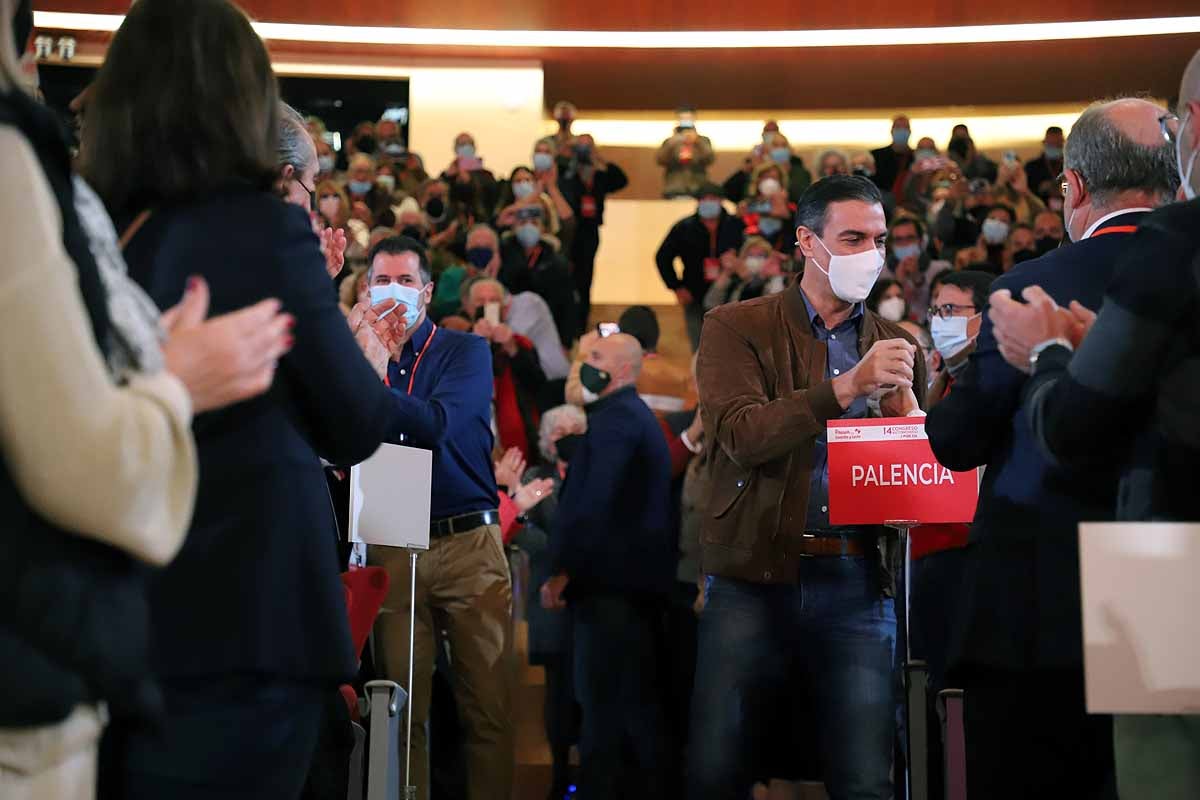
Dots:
pixel 842 346
pixel 450 413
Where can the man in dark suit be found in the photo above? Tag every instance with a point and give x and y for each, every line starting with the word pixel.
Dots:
pixel 892 162
pixel 612 552
pixel 1016 648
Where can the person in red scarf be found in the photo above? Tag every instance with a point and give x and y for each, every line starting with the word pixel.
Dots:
pixel 518 379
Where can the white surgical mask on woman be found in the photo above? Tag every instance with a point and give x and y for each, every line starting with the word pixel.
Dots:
pixel 892 308
pixel 769 186
pixel 522 189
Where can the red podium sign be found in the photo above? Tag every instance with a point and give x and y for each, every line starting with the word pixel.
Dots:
pixel 882 470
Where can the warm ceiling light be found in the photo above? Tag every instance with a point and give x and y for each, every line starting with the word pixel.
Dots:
pixel 682 40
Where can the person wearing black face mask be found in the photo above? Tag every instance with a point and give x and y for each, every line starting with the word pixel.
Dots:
pixel 612 555
pixel 1021 243
pixel 1048 231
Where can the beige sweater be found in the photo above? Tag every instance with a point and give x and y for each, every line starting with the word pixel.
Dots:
pixel 114 464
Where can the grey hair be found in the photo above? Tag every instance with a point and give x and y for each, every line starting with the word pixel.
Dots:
pixel 483 226
pixel 295 142
pixel 1111 163
pixel 833 151
pixel 563 413
pixel 464 294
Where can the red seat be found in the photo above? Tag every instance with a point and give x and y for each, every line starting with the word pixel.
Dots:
pixel 366 589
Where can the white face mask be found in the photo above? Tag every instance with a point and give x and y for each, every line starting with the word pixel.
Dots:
pixel 755 264
pixel 522 189
pixel 769 186
pixel 1185 175
pixel 995 231
pixel 892 309
pixel 950 335
pixel 852 276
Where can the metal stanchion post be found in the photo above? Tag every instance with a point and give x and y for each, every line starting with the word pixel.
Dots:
pixel 915 678
pixel 410 791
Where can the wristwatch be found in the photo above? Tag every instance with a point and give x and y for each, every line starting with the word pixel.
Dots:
pixel 1036 351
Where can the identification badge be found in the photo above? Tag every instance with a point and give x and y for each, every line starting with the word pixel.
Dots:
pixel 712 269
pixel 587 207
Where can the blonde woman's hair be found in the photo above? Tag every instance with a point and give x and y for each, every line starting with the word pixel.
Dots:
pixel 753 242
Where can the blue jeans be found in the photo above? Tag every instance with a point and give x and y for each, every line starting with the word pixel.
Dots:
pixel 832 635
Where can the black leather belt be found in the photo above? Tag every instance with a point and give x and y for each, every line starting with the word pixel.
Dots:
pixel 463 523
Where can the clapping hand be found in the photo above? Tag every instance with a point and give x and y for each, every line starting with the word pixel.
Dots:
pixel 333 246
pixel 1019 327
pixel 510 468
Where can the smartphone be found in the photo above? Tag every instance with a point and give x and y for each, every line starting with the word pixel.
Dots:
pixel 1010 157
pixel 606 329
pixel 470 164
pixel 491 312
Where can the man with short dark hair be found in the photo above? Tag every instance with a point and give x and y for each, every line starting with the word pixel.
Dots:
pixel 1042 173
pixel 955 317
pixel 1018 645
pixel 909 263
pixel 792 600
pixel 442 382
pixel 700 241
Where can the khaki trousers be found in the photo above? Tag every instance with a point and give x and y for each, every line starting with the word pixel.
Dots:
pixel 464 589
pixel 52 762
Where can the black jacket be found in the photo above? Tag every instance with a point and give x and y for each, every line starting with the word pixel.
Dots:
pixel 1129 394
pixel 548 276
pixel 73 616
pixel 888 166
pixel 612 533
pixel 1021 607
pixel 604 182
pixel 255 588
pixel 691 242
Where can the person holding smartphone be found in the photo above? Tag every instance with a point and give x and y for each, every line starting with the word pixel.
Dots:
pixel 471 184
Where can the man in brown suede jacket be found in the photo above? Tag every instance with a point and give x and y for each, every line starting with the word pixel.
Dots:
pixel 794 604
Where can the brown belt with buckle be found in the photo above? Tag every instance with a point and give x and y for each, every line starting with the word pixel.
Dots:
pixel 810 545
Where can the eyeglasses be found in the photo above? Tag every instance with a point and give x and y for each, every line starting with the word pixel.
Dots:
pixel 1169 125
pixel 948 310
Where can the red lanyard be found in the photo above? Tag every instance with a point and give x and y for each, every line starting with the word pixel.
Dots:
pixel 1115 229
pixel 534 255
pixel 412 375
pixel 712 243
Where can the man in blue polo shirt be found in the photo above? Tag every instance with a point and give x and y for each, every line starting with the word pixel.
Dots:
pixel 444 382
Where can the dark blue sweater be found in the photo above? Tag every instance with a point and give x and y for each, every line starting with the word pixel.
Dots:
pixel 613 532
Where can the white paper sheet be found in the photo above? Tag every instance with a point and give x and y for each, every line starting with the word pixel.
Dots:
pixel 1141 629
pixel 389 498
